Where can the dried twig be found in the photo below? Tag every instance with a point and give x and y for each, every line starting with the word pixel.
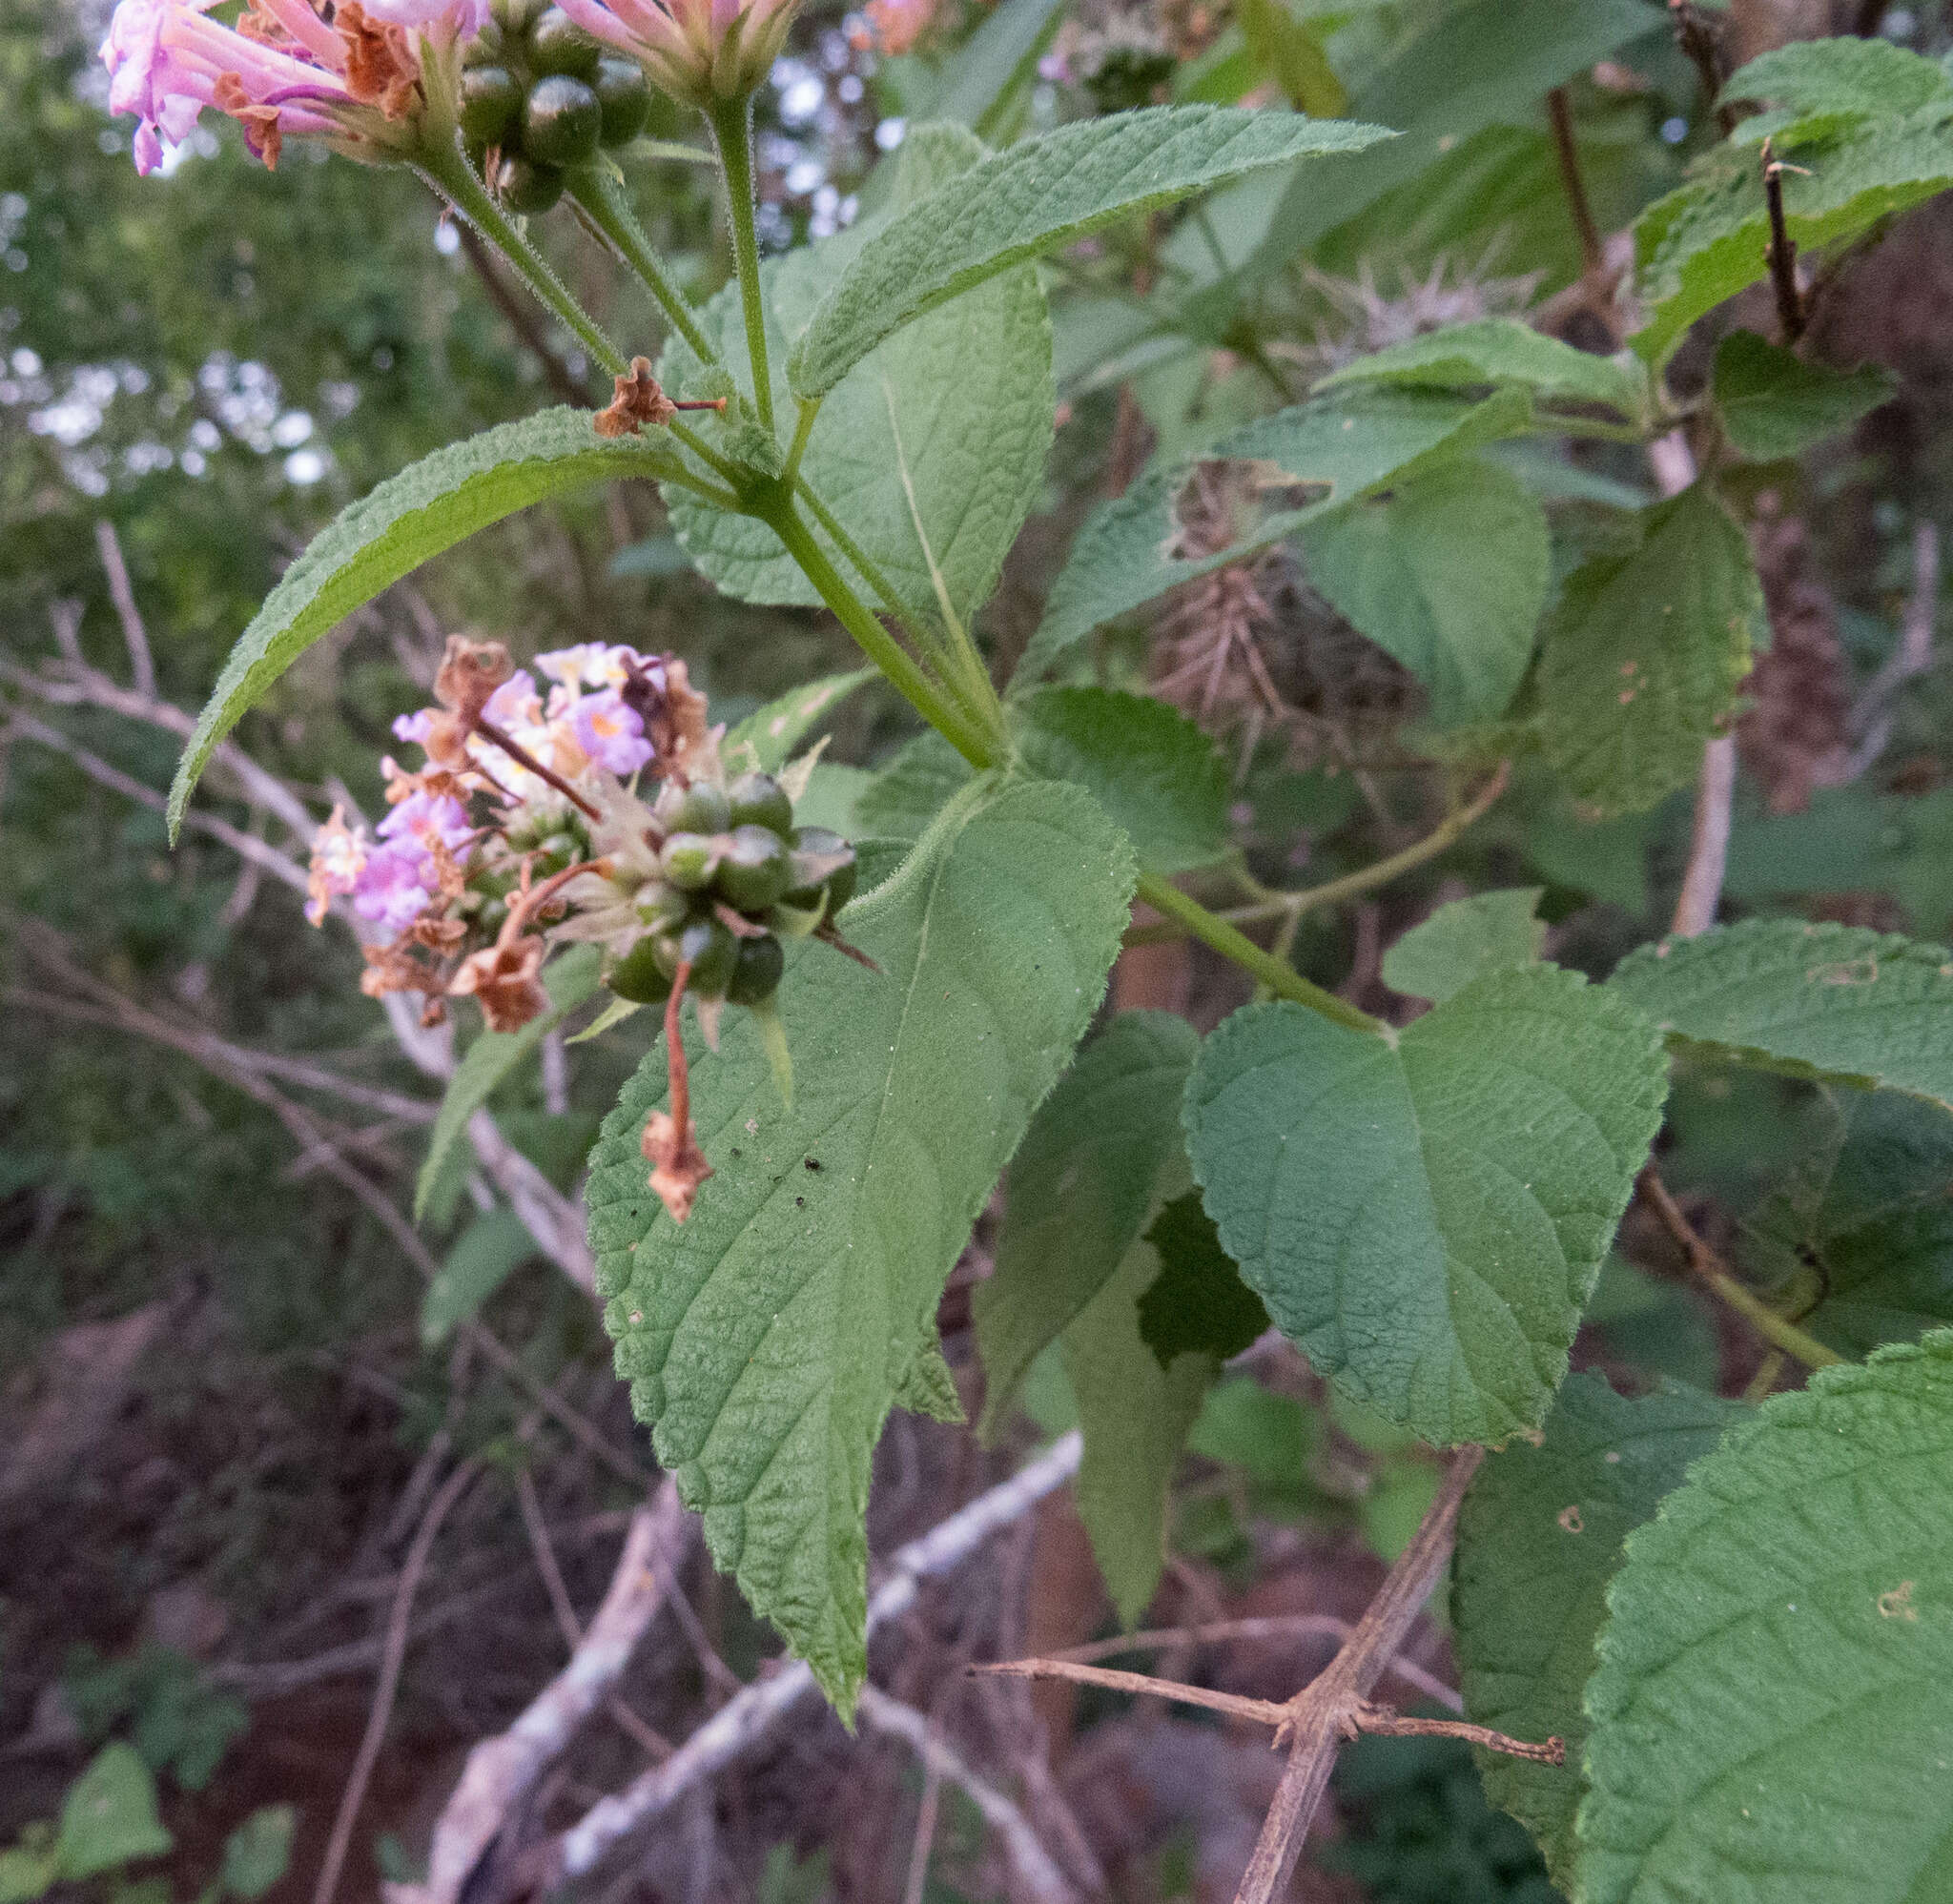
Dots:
pixel 742 1721
pixel 142 667
pixel 1038 1876
pixel 1711 1269
pixel 391 1657
pixel 1260 1626
pixel 1318 1718
pixel 1143 1686
pixel 501 1770
pixel 1593 255
pixel 1697 40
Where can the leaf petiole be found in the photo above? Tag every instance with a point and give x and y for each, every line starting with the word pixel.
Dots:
pixel 607 211
pixel 731 122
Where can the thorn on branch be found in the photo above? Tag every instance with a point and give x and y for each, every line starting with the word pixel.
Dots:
pixel 1780 254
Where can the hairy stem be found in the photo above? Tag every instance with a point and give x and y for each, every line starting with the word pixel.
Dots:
pixel 732 127
pixel 601 199
pixel 946 715
pixel 1282 980
pixel 448 171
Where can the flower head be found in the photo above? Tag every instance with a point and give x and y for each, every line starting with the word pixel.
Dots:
pixel 701 52
pixel 610 733
pixel 281 71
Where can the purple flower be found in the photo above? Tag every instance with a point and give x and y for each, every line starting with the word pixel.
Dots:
pixel 423 816
pixel 413 727
pixel 394 885
pixel 611 733
pixel 698 50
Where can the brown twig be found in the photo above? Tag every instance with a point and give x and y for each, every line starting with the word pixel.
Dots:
pixel 1593 255
pixel 142 667
pixel 524 758
pixel 1697 40
pixel 390 1660
pixel 1385 1723
pixel 1141 1685
pixel 1260 1626
pixel 1780 254
pixel 1711 1270
pixel 1316 1721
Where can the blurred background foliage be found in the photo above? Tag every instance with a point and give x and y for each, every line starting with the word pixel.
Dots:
pixel 213 363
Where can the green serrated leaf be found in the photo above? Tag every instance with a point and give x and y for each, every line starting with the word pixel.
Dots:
pixel 1135 1416
pixel 766 1338
pixel 1769 1718
pixel 1426 1215
pixel 960 405
pixel 1867 1208
pixel 1034 197
pixel 1149 766
pixel 1539 1537
pixel 108 1817
pixel 1126 554
pixel 569 978
pixel 911 790
pixel 1503 353
pixel 1775 405
pixel 1198 1303
pixel 1643 655
pixel 1447 573
pixel 438 502
pixel 770 736
pixel 1842 1003
pixel 486 1254
pixel 1489 932
pixel 1079 1192
pixel 1869 130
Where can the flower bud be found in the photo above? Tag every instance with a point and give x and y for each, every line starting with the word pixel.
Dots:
pixel 701 52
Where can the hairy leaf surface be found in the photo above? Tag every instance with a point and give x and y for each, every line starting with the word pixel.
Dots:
pixel 438 502
pixel 1643 655
pixel 1489 932
pixel 1034 197
pixel 1425 1215
pixel 1841 1003
pixel 770 736
pixel 1539 1537
pixel 1501 352
pixel 767 1337
pixel 1131 550
pixel 1775 405
pixel 1769 1719
pixel 1446 572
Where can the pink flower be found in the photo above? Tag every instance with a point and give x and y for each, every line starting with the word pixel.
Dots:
pixel 281 71
pixel 421 817
pixel 338 857
pixel 698 50
pixel 395 885
pixel 413 727
pixel 611 733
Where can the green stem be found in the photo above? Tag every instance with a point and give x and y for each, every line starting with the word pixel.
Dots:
pixel 1281 979
pixel 949 718
pixel 803 428
pixel 600 197
pixel 448 171
pixel 731 122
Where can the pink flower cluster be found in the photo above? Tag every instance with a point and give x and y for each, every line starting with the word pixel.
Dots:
pixel 698 50
pixel 281 71
pixel 581 730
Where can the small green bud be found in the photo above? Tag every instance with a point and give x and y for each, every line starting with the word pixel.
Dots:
pixel 491 104
pixel 709 949
pixel 753 871
pixel 527 187
pixel 662 908
pixel 759 800
pixel 821 859
pixel 562 121
pixel 756 969
pixel 639 976
pixel 626 97
pixel 559 45
pixel 689 860
pixel 517 16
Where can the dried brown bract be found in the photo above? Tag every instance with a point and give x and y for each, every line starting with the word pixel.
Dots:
pixel 637 400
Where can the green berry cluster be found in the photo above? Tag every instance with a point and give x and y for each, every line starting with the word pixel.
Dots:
pixel 551 846
pixel 544 99
pixel 731 851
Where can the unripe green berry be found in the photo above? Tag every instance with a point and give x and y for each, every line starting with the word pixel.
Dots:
pixel 562 121
pixel 524 186
pixel 753 871
pixel 491 104
pixel 813 845
pixel 689 860
pixel 557 851
pixel 759 800
pixel 709 949
pixel 662 908
pixel 626 97
pixel 557 44
pixel 756 969
pixel 699 809
pixel 639 976
pixel 517 16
